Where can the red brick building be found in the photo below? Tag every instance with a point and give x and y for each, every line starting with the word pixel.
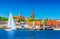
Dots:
pixel 53 23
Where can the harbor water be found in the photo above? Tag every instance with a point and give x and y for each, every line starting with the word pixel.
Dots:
pixel 26 34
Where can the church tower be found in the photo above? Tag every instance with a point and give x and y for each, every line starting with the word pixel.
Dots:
pixel 32 15
pixel 19 15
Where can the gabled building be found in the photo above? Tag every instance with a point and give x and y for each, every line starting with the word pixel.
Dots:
pixel 54 23
pixel 17 18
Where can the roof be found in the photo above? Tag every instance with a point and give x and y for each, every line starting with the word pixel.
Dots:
pixel 17 17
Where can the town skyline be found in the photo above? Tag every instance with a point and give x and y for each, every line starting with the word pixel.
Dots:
pixel 42 9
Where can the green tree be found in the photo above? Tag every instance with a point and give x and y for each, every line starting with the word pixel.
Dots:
pixel 6 19
pixel 45 21
pixel 22 20
pixel 0 18
pixel 31 19
pixel 3 19
pixel 35 19
pixel 40 20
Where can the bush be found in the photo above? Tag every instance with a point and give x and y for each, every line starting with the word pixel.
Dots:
pixel 4 27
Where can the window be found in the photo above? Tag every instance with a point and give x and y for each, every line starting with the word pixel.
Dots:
pixel 58 25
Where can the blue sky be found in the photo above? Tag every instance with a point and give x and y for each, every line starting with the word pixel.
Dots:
pixel 42 8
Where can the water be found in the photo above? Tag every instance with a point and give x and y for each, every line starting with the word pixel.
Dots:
pixel 25 34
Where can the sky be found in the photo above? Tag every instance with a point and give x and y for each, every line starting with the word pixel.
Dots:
pixel 42 8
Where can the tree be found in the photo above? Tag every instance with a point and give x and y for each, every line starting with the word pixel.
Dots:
pixel 35 19
pixel 22 20
pixel 0 18
pixel 45 21
pixel 40 20
pixel 4 19
pixel 31 19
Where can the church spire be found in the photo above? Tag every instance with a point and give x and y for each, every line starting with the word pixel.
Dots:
pixel 19 15
pixel 32 15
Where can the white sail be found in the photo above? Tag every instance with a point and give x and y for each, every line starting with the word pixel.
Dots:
pixel 11 23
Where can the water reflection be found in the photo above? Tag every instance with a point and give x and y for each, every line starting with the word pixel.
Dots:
pixel 25 34
pixel 10 34
pixel 3 34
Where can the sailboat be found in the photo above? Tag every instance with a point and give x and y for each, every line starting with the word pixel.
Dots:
pixel 11 24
